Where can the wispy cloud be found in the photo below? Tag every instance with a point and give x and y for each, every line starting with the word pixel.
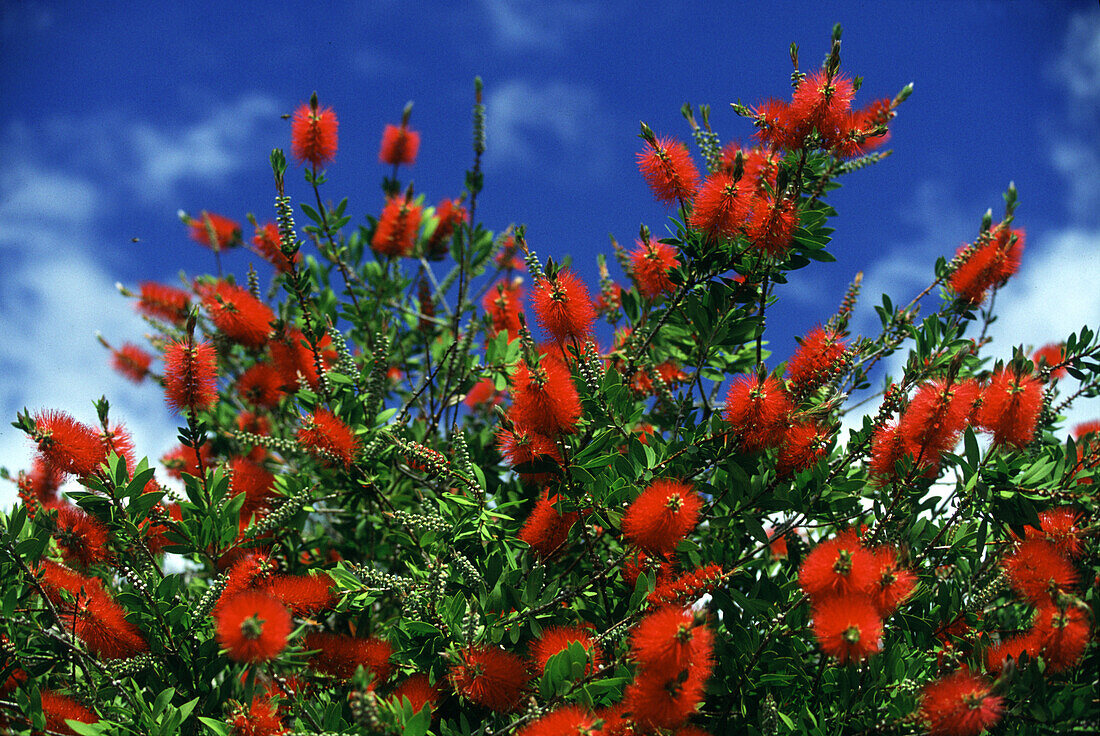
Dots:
pixel 556 126
pixel 1078 67
pixel 538 24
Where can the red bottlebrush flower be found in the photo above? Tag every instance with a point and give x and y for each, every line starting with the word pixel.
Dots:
pixel 1059 527
pixel 1091 427
pixel 398 225
pixel 651 261
pixel 190 376
pixel 503 303
pixel 523 449
pixel 643 383
pixel 164 302
pixel 544 400
pixel 341 655
pixel 117 439
pixel 991 264
pixel 59 708
pixel 325 435
pixel 182 460
pixel 1010 408
pixel 483 394
pixel 771 226
pixel 547 529
pixel 688 587
pixel 82 538
pixel 892 584
pixel 1062 635
pixel 155 529
pixel 818 355
pixel 804 447
pixel 450 214
pixel 252 626
pixel 260 385
pixel 132 362
pixel 399 146
pixel 1035 569
pixel 761 167
pixel 56 578
pixel 886 450
pixel 305 595
pixel 935 418
pixel 215 231
pixel 777 547
pixel 776 127
pixel 293 358
pixel 40 485
pixel 313 134
pixel 856 132
pixel 564 307
pixel 1051 355
pixel 508 258
pixel 419 691
pixel 101 624
pixel 254 482
pixel 822 103
pixel 659 699
pixel 491 677
pixel 759 411
pixel 248 421
pixel 669 170
pixel 556 639
pixel 1013 648
pixel 267 242
pixel 960 705
pixel 66 445
pixel 847 627
pixel 609 299
pixel 260 719
pixel 569 720
pixel 237 314
pixel 722 205
pixel 248 571
pixel 662 515
pixel 838 567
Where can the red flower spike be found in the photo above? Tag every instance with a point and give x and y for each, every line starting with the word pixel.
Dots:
pixel 520 448
pixel 670 640
pixel 544 400
pixel 313 135
pixel 1013 648
pixel 246 572
pixel 990 265
pixel 164 302
pixel 66 445
pixel 563 307
pixel 342 655
pixel 304 595
pixel 569 720
pixel 254 482
pixel 669 171
pixel 483 394
pixel 325 435
pixel 491 677
pixel 806 444
pixel 399 146
pixel 546 528
pixel 1051 354
pixel 132 362
pixel 838 567
pixel 40 485
pixel 237 314
pixel 886 450
pixel 82 538
pixel 935 418
pixel 776 127
pixel 661 516
pixel 822 103
pixel 398 225
pixel 292 357
pixel 1035 570
pixel 960 705
pixel 771 226
pixel 651 261
pixel 722 205
pixel 267 242
pixel 260 385
pixel 556 639
pixel 252 626
pixel 101 624
pixel 759 411
pixel 856 130
pixel 1010 408
pixel 190 376
pixel 450 214
pixel 215 231
pixel 657 700
pixel 1059 527
pixel 847 627
pixel 182 460
pixel 688 587
pixel 777 547
pixel 59 708
pixel 260 719
pixel 419 692
pixel 1062 635
pixel 504 303
pixel 818 354
pixel 892 584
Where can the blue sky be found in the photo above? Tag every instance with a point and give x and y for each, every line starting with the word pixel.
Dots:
pixel 116 116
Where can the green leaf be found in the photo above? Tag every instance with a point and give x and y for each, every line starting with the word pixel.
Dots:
pixel 217 727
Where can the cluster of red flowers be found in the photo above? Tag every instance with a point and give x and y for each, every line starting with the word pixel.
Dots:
pixel 215 231
pixel 238 315
pixel 326 435
pixel 994 259
pixel 852 590
pixel 313 134
pixel 398 225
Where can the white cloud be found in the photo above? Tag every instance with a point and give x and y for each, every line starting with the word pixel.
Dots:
pixel 1078 68
pixel 529 124
pixel 537 24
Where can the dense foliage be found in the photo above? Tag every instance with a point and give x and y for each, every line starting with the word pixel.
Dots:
pixel 401 513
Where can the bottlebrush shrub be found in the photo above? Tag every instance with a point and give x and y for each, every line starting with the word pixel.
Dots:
pixel 413 494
